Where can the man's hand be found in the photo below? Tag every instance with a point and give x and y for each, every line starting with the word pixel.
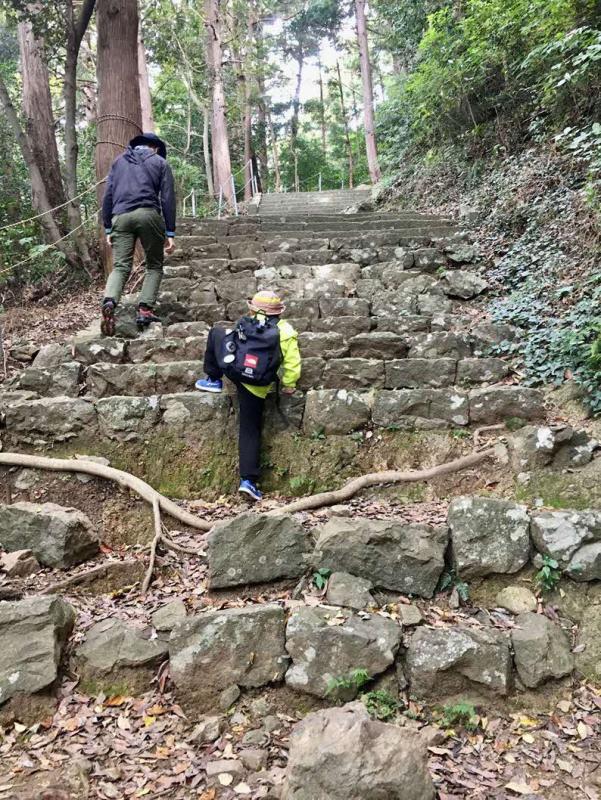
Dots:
pixel 288 390
pixel 109 241
pixel 169 246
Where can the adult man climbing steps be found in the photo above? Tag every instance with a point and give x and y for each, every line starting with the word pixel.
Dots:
pixel 139 204
pixel 252 355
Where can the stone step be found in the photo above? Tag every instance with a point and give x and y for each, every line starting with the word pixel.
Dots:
pixel 344 355
pixel 319 412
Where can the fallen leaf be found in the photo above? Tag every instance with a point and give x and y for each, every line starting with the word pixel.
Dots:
pixel 117 700
pixel 583 730
pixel 564 705
pixel 564 765
pixel 242 788
pixel 123 723
pixel 519 788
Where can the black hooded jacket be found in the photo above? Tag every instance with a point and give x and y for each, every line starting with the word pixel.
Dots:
pixel 139 179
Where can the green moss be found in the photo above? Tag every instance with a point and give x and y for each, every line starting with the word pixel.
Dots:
pixel 559 490
pixel 93 687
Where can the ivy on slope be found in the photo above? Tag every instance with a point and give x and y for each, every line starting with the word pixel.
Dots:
pixel 549 277
pixel 540 232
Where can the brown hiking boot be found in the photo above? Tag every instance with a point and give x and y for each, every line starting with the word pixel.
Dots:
pixel 107 324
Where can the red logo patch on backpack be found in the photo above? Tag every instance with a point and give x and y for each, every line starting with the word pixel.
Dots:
pixel 251 361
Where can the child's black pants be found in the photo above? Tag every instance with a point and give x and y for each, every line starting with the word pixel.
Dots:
pixel 251 410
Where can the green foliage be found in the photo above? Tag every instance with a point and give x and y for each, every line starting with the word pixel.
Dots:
pixel 463 714
pixel 301 484
pixel 449 580
pixel 490 74
pixel 548 575
pixel 354 682
pixel 320 578
pixel 380 704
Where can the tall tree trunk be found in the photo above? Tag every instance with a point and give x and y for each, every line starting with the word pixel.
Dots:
pixel 249 159
pixel 221 148
pixel 37 112
pixel 368 94
pixel 40 201
pixel 322 108
pixel 300 60
pixel 75 32
pixel 119 109
pixel 145 96
pixel 349 148
pixel 248 151
pixel 261 132
pixel 207 151
pixel 275 150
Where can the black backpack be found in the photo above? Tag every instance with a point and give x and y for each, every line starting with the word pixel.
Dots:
pixel 251 352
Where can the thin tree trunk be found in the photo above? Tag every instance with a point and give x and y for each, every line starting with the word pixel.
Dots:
pixel 275 151
pixel 145 96
pixel 300 60
pixel 368 95
pixel 248 153
pixel 207 151
pixel 119 109
pixel 296 183
pixel 221 148
pixel 37 112
pixel 322 109
pixel 40 199
pixel 75 33
pixel 188 128
pixel 349 147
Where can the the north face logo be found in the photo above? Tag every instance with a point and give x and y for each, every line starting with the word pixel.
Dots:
pixel 251 361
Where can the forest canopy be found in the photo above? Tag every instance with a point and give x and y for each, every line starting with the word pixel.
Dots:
pixel 276 95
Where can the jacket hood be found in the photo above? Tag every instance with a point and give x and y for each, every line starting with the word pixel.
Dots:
pixel 136 156
pixel 152 140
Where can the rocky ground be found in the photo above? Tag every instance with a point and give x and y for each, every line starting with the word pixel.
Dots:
pixel 417 642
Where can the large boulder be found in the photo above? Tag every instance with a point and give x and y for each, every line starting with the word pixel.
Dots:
pixel 33 633
pixel 463 284
pixel 394 555
pixel 256 548
pixel 332 411
pixel 342 754
pixel 58 381
pixel 541 648
pixel 500 403
pixel 114 652
pixel 588 658
pixel 50 419
pixel 349 590
pixel 421 408
pixel 217 651
pixel 442 662
pixel 57 536
pixel 572 538
pixel 326 645
pixel 488 536
pixel 127 418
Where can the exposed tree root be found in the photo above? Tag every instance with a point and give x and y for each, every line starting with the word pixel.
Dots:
pixel 88 576
pixel 125 479
pixel 374 478
pixel 158 533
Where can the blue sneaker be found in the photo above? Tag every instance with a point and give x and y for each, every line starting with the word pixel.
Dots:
pixel 249 488
pixel 207 385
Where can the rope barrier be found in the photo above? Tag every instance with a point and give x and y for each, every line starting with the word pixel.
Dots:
pixel 52 210
pixel 45 249
pixel 108 141
pixel 119 117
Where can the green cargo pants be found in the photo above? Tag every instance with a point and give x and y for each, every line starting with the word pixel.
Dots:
pixel 147 225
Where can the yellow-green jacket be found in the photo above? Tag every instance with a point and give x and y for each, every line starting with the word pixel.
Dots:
pixel 290 370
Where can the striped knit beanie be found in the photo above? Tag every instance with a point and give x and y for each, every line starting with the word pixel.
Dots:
pixel 268 302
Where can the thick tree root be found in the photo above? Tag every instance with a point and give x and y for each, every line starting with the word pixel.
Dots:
pixel 374 478
pixel 125 479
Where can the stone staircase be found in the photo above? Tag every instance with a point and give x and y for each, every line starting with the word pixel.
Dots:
pixel 391 329
pixel 311 203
